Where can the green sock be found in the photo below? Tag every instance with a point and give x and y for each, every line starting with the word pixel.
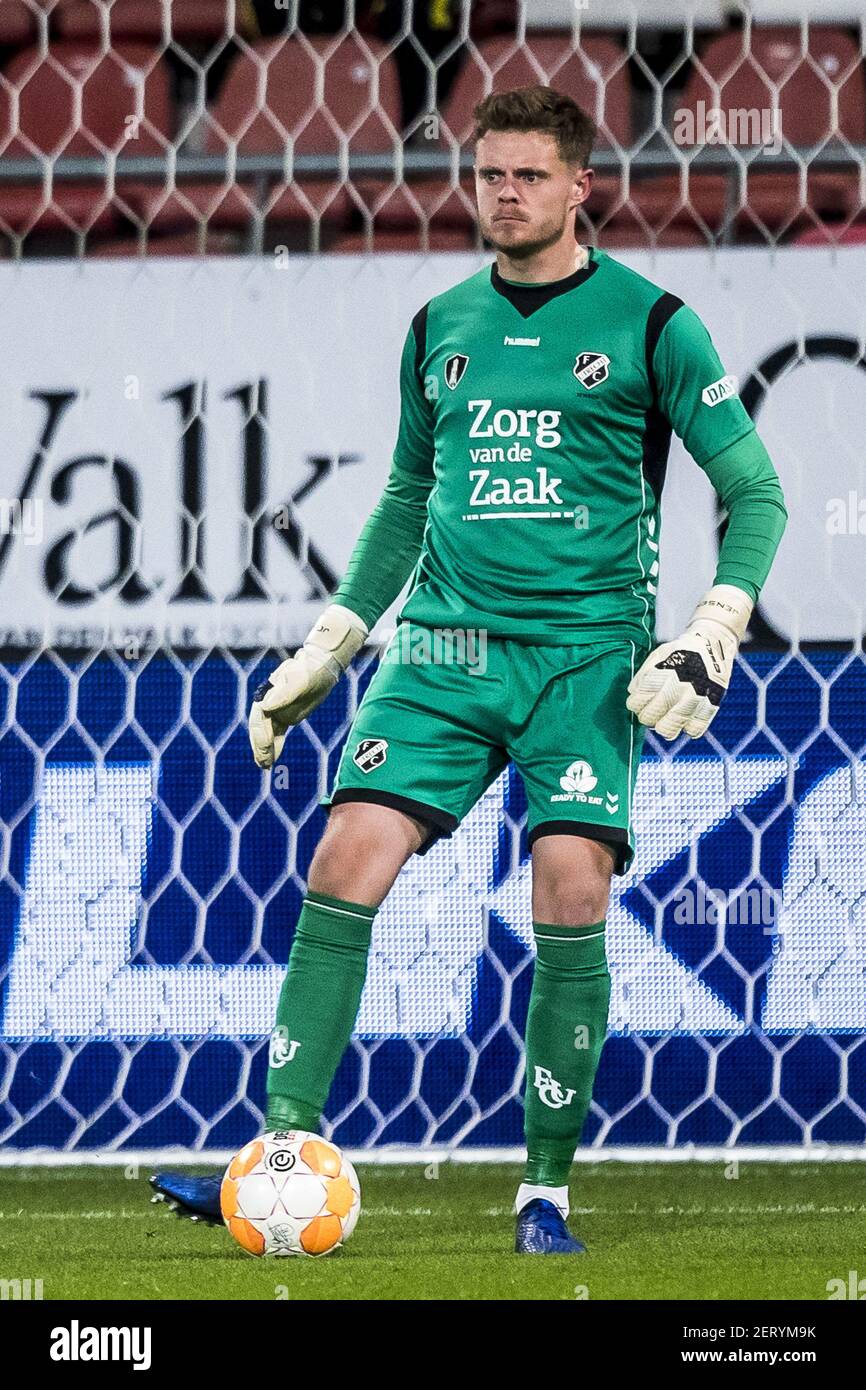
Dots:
pixel 317 1009
pixel 565 1031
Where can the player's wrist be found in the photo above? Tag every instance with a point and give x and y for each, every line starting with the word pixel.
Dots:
pixel 335 638
pixel 724 606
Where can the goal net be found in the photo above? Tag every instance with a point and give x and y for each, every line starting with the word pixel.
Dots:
pixel 216 223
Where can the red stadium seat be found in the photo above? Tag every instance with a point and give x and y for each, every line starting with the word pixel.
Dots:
pixel 144 19
pixel 828 235
pixel 116 89
pixel 622 236
pixel 595 75
pixel 176 244
pixel 270 104
pixel 734 78
pixel 440 239
pixel 18 23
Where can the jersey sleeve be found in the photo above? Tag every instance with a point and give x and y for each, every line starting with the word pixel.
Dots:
pixel 695 394
pixel 699 400
pixel 749 490
pixel 415 449
pixel 389 546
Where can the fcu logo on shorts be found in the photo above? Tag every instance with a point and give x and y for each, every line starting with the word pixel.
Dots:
pixel 370 753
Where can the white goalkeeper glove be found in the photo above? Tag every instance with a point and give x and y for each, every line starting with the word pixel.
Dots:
pixel 681 684
pixel 294 689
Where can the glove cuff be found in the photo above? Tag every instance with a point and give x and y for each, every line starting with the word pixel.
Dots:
pixel 727 605
pixel 336 637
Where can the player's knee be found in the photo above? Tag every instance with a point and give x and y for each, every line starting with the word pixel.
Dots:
pixel 362 851
pixel 570 881
pixel 574 906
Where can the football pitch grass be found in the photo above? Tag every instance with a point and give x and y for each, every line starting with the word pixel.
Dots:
pixel 654 1231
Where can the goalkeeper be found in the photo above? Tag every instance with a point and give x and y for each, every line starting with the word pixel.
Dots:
pixel 541 394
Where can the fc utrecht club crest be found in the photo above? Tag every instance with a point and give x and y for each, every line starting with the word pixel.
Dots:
pixel 370 753
pixel 454 368
pixel 591 368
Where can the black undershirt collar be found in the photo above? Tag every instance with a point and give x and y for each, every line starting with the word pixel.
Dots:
pixel 527 298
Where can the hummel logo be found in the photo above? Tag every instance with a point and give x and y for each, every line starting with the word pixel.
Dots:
pixel 522 342
pixel 611 803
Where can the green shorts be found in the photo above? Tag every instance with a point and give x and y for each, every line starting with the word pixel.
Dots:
pixel 437 726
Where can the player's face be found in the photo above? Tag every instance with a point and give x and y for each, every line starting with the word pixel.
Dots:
pixel 527 194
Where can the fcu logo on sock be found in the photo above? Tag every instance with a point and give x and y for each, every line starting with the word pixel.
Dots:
pixel 549 1090
pixel 283 1048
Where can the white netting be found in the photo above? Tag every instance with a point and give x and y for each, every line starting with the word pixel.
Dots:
pixel 139 124
pixel 169 420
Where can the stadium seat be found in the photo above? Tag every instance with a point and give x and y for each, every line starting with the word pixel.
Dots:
pixel 17 23
pixel 144 19
pixel 828 235
pixel 214 243
pixel 264 108
pixel 595 75
pixel 619 235
pixel 642 219
pixel 732 78
pixel 440 239
pixel 115 87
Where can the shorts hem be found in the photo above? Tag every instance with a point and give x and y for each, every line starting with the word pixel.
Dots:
pixel 613 835
pixel 442 823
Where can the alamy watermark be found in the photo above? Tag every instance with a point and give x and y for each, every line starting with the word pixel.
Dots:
pixel 853 1287
pixel 751 126
pixel 846 516
pixel 438 646
pixel 22 517
pixel 21 1289
pixel 77 1343
pixel 751 907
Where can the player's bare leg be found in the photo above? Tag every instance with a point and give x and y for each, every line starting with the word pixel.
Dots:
pixel 565 1028
pixel 363 849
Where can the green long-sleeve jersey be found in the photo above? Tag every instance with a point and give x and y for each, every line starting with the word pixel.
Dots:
pixel 535 424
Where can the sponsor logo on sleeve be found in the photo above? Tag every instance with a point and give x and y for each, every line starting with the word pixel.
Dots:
pixel 721 390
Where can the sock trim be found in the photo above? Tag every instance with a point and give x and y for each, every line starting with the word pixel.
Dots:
pixel 339 905
pixel 529 1191
pixel 539 936
pixel 561 933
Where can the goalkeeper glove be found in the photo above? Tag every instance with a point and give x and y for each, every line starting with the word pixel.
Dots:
pixel 681 684
pixel 299 684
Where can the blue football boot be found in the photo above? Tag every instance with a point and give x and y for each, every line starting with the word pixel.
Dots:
pixel 197 1198
pixel 541 1230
